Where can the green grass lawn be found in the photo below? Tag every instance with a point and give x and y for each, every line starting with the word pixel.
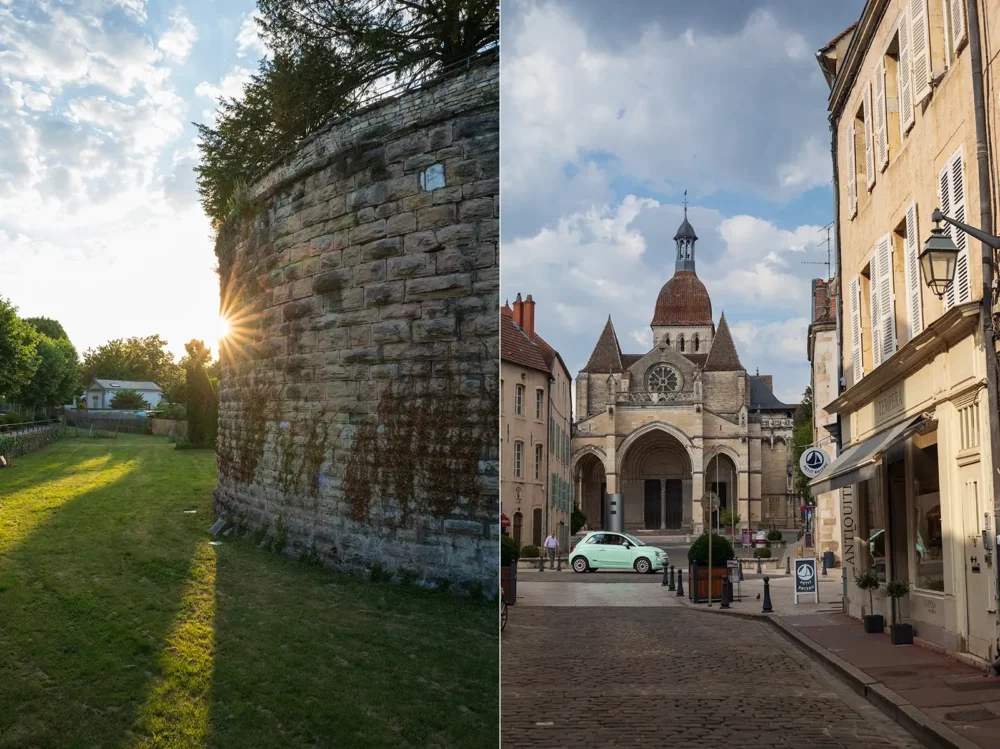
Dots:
pixel 123 625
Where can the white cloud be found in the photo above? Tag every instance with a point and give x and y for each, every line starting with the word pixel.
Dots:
pixel 178 40
pixel 248 39
pixel 230 86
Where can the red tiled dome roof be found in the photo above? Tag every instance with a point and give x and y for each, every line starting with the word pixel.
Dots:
pixel 683 300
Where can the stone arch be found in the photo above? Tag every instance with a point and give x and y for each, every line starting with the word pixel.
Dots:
pixel 590 477
pixel 584 451
pixel 655 426
pixel 654 469
pixel 721 474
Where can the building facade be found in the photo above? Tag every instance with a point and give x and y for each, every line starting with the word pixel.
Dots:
pixel 536 496
pixel 916 490
pixel 100 393
pixel 665 427
pixel 824 358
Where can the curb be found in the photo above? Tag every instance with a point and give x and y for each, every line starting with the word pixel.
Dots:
pixel 933 733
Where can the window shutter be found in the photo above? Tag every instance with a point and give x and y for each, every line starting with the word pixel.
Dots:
pixel 852 173
pixel 881 131
pixel 963 290
pixel 886 296
pixel 959 32
pixel 944 198
pixel 903 75
pixel 866 104
pixel 857 365
pixel 914 308
pixel 920 50
pixel 875 308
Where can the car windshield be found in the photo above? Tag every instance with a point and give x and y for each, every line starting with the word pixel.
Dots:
pixel 635 541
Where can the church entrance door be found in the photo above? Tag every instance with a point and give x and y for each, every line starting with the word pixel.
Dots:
pixel 675 504
pixel 652 505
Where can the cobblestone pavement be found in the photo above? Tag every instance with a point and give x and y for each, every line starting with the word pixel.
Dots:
pixel 672 677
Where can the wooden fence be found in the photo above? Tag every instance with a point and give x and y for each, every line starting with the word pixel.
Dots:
pixel 117 423
pixel 21 439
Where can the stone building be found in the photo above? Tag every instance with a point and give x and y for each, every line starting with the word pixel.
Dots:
pixel 665 426
pixel 824 358
pixel 914 469
pixel 536 494
pixel 367 260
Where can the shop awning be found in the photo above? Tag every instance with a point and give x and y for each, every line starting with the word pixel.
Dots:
pixel 859 463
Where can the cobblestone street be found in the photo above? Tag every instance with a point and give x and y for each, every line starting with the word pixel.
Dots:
pixel 656 677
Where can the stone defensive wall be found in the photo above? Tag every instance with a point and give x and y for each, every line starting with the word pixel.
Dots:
pixel 358 397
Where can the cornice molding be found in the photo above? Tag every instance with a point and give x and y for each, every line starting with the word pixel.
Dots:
pixel 871 16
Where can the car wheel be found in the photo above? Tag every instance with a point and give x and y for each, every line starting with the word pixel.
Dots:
pixel 642 566
pixel 580 564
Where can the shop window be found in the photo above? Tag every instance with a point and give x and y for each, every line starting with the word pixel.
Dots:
pixel 871 533
pixel 927 532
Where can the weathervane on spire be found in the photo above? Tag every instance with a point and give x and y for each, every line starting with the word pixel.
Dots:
pixel 685 203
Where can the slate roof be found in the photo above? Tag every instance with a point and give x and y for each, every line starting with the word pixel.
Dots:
pixel 697 359
pixel 683 300
pixel 607 354
pixel 124 385
pixel 723 357
pixel 763 398
pixel 629 359
pixel 516 347
pixel 685 230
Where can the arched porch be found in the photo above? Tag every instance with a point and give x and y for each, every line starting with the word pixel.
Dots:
pixel 591 489
pixel 655 479
pixel 722 478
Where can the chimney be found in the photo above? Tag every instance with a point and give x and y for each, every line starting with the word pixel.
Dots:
pixel 768 380
pixel 519 312
pixel 529 317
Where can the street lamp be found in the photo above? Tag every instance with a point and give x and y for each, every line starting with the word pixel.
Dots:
pixel 939 257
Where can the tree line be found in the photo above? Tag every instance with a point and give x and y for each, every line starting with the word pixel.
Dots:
pixel 40 370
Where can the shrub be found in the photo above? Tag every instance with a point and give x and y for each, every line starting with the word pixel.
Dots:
pixel 577 521
pixel 529 552
pixel 762 553
pixel 6 419
pixel 774 535
pixel 865 580
pixel 174 411
pixel 729 518
pixel 722 550
pixel 509 552
pixel 129 400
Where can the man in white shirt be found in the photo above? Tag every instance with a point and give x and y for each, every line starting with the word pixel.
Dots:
pixel 551 544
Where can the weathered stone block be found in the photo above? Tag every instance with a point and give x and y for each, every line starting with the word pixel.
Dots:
pixel 436 216
pixel 436 287
pixel 368 232
pixel 381 249
pixel 378 294
pixel 401 223
pixel 332 280
pixel 369 272
pixel 410 266
pixel 392 331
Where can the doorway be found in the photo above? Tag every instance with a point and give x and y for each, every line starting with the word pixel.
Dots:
pixel 675 504
pixel 536 526
pixel 518 524
pixel 652 504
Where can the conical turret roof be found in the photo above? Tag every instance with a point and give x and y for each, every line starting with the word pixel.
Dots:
pixel 722 357
pixel 607 354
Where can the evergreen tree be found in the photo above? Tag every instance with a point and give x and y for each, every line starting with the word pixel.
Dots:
pixel 802 437
pixel 202 396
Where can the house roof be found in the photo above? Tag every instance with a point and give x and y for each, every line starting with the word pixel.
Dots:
pixel 607 354
pixel 762 397
pixel 723 357
pixel 683 300
pixel 516 347
pixel 123 385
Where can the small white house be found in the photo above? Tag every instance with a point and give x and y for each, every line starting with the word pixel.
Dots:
pixel 100 393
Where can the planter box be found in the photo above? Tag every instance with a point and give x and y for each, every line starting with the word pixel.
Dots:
pixel 901 634
pixel 874 624
pixel 508 582
pixel 699 579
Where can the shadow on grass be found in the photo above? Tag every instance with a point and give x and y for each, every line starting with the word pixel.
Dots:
pixel 90 593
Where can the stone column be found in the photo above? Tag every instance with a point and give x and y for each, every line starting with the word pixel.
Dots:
pixel 663 504
pixel 695 514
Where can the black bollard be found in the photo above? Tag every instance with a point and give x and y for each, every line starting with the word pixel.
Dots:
pixel 680 582
pixel 673 585
pixel 726 595
pixel 558 563
pixel 741 573
pixel 666 576
pixel 767 596
pixel 541 564
pixel 788 565
pixel 759 570
pixel 824 565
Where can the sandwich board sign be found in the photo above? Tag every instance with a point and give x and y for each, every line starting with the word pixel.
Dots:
pixel 806 583
pixel 813 461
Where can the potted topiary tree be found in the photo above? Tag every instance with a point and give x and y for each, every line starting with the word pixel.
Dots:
pixel 699 585
pixel 509 554
pixel 900 634
pixel 865 580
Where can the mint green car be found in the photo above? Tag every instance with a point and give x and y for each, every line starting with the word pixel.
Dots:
pixel 606 550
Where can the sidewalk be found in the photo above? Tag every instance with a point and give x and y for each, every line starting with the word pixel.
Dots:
pixel 939 699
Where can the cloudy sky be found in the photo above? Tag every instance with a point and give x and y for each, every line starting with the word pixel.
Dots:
pixel 610 110
pixel 100 225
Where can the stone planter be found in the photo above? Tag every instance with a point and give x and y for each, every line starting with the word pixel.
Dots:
pixel 699 580
pixel 901 634
pixel 508 582
pixel 874 624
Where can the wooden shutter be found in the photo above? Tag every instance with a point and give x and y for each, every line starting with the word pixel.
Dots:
pixel 886 296
pixel 944 199
pixel 881 131
pixel 959 32
pixel 852 173
pixel 866 105
pixel 963 287
pixel 903 76
pixel 920 50
pixel 857 365
pixel 875 308
pixel 914 307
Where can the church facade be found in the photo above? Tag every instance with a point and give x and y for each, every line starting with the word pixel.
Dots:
pixel 667 427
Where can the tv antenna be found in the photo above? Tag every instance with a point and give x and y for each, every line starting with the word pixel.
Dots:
pixel 829 243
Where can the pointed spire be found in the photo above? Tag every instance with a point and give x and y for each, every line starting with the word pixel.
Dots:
pixel 722 357
pixel 607 354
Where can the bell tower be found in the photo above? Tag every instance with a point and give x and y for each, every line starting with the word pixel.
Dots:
pixel 685 239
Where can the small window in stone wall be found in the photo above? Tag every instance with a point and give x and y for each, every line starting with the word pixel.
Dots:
pixel 432 177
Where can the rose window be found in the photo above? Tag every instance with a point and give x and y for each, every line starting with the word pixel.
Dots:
pixel 662 379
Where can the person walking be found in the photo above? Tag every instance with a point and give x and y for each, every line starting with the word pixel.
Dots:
pixel 551 544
